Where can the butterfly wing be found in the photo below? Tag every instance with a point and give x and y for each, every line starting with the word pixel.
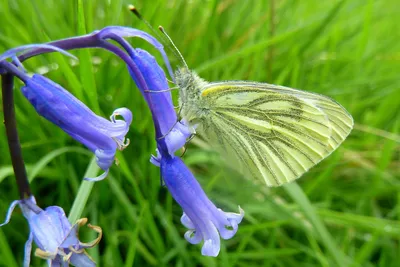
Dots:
pixel 273 133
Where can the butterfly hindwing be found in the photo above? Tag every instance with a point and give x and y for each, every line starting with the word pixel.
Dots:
pixel 272 132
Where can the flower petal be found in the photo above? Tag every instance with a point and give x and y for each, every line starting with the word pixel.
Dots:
pixel 178 136
pixel 28 250
pixel 98 178
pixel 185 220
pixel 155 161
pixel 205 221
pixel 71 237
pixel 234 219
pixel 10 211
pixel 101 136
pixel 82 260
pixel 211 247
pixel 49 228
pixel 104 158
pixel 58 262
pixel 160 103
pixel 193 237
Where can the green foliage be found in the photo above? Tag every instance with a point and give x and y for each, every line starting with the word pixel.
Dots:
pixel 344 212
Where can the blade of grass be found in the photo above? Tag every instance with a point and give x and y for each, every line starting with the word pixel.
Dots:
pixel 42 163
pixel 84 192
pixel 301 199
pixel 7 256
pixel 85 67
pixel 130 257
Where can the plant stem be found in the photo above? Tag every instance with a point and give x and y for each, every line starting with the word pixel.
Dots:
pixel 7 82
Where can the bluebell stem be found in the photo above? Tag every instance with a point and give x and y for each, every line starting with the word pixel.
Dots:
pixel 57 105
pixel 56 238
pixel 10 125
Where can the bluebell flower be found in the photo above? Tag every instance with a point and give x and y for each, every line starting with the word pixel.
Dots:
pixel 57 105
pixel 152 83
pixel 174 132
pixel 56 238
pixel 203 219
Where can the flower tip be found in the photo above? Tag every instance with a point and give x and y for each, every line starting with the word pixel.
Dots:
pixel 242 213
pixel 95 241
pixel 210 248
pixel 125 113
pixel 156 160
pixel 81 221
pixel 10 211
pixel 237 217
pixel 98 178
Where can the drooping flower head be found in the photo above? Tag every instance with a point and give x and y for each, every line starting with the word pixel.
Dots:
pixel 56 238
pixel 205 221
pixel 60 107
pixel 101 136
pixel 152 83
pixel 140 64
pixel 174 132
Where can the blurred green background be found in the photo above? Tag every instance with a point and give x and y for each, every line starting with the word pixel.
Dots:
pixel 344 212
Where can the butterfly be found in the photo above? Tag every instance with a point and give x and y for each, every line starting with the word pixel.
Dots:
pixel 269 132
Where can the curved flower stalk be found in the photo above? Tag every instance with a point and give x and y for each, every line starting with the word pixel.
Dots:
pixel 56 238
pixel 137 60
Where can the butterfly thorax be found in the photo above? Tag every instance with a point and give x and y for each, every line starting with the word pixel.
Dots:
pixel 192 107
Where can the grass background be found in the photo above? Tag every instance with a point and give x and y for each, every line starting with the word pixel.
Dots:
pixel 344 212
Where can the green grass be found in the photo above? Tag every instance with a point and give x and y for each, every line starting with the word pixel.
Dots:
pixel 344 212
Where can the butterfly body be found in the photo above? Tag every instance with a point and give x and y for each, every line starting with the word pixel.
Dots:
pixel 193 107
pixel 269 132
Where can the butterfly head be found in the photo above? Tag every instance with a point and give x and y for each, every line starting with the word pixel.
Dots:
pixel 183 77
pixel 190 87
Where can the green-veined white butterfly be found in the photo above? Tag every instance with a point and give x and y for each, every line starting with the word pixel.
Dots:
pixel 270 132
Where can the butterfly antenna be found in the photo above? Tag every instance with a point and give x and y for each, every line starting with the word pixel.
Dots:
pixel 174 48
pixel 166 40
pixel 133 9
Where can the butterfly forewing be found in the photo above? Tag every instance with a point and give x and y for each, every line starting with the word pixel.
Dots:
pixel 273 133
